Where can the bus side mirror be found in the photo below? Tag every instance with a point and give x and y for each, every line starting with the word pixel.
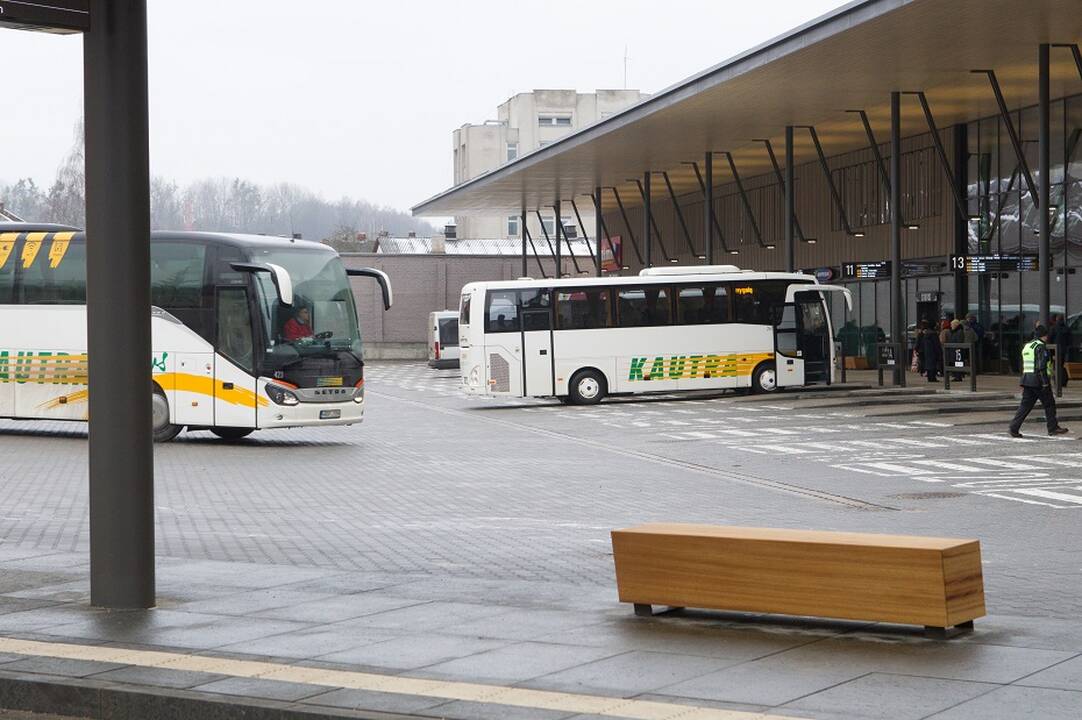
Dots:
pixel 381 277
pixel 283 283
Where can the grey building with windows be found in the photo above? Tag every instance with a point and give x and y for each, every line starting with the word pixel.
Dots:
pixel 524 123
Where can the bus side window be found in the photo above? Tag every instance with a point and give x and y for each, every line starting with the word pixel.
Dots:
pixel 235 326
pixel 583 309
pixel 501 311
pixel 536 309
pixel 643 306
pixel 703 305
pixel 464 315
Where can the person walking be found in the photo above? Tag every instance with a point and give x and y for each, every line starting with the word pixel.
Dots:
pixel 929 351
pixel 1036 385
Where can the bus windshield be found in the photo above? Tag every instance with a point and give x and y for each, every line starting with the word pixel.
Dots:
pixel 323 317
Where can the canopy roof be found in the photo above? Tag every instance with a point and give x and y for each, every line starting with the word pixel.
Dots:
pixel 851 58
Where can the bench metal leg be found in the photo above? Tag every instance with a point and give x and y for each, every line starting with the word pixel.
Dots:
pixel 648 610
pixel 942 633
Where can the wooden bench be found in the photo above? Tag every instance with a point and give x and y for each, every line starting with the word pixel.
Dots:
pixel 934 582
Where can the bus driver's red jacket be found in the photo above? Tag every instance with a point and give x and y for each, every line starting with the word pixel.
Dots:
pixel 295 330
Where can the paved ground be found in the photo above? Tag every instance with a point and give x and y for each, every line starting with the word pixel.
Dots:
pixel 467 540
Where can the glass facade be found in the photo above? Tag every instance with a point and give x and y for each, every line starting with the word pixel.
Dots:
pixel 1002 220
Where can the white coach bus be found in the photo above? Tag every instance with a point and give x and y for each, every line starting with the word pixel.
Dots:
pixel 668 329
pixel 249 332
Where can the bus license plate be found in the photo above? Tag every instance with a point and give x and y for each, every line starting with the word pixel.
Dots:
pixel 330 414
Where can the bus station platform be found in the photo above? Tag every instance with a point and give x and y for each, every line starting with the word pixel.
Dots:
pixel 451 559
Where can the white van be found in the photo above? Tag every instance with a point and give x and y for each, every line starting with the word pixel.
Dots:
pixel 443 339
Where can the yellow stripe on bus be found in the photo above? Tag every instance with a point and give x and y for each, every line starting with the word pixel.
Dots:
pixel 7 244
pixel 31 246
pixel 202 385
pixel 59 248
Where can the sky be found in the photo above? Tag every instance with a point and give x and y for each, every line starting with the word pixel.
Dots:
pixel 357 98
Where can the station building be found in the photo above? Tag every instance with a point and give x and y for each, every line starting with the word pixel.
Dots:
pixel 930 150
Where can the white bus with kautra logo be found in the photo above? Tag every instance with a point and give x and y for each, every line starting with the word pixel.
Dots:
pixel 249 332
pixel 667 329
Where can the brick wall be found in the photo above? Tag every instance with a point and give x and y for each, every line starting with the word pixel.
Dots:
pixel 421 284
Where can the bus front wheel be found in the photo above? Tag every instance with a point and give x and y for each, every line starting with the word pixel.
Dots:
pixel 764 379
pixel 231 433
pixel 588 387
pixel 163 430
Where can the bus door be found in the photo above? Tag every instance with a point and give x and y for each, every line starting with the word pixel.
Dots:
pixel 537 359
pixel 235 397
pixel 805 351
pixel 503 343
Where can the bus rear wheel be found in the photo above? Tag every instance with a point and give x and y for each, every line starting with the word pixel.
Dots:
pixel 162 429
pixel 587 387
pixel 764 379
pixel 231 433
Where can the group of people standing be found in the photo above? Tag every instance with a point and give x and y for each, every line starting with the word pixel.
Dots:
pixel 930 342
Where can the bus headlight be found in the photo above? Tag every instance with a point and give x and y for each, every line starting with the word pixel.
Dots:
pixel 281 395
pixel 358 391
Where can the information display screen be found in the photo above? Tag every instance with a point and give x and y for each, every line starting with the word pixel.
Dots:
pixel 866 270
pixel 994 263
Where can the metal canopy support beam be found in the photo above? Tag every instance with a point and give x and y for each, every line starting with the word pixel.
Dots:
pixel 647 205
pixel 834 194
pixel 897 320
pixel 118 306
pixel 781 183
pixel 585 235
pixel 874 147
pixel 647 217
pixel 627 224
pixel 956 192
pixel 1074 52
pixel 604 229
pixel 680 217
pixel 708 204
pixel 713 216
pixel 548 239
pixel 746 202
pixel 599 230
pixel 790 197
pixel 536 257
pixel 522 220
pixel 1044 172
pixel 1012 133
pixel 557 227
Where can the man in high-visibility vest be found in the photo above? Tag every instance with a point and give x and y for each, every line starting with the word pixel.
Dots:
pixel 1037 384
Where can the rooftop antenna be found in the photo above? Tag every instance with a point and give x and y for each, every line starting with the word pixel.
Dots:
pixel 625 66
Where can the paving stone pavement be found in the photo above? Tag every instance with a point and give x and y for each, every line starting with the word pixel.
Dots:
pixel 461 539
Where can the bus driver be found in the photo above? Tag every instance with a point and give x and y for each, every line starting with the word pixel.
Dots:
pixel 299 327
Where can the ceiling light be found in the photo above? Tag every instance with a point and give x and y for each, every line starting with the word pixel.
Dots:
pixel 734 252
pixel 811 241
pixel 770 247
pixel 673 260
pixel 912 227
pixel 858 234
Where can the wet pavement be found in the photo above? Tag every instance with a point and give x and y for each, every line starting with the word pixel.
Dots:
pixel 464 542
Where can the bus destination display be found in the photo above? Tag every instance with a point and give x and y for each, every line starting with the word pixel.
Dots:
pixel 866 270
pixel 994 263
